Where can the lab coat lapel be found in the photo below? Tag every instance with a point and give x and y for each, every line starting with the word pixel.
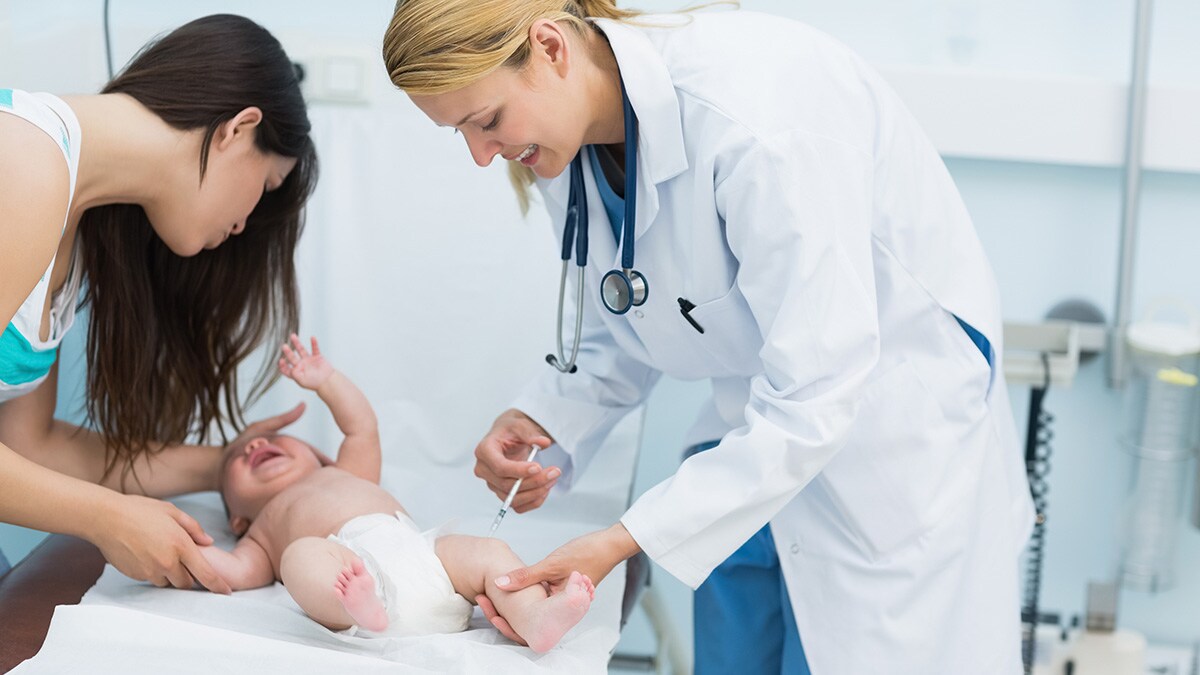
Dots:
pixel 661 154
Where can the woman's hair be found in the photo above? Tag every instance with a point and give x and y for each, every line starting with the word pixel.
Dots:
pixel 167 333
pixel 436 46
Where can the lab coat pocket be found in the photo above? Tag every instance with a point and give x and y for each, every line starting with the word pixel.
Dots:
pixel 888 480
pixel 730 335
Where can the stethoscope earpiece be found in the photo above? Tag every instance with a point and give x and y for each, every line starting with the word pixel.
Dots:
pixel 553 360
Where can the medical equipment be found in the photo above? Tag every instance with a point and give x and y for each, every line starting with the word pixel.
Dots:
pixel 1101 648
pixel 511 493
pixel 1037 466
pixel 1160 435
pixel 620 289
pixel 1042 355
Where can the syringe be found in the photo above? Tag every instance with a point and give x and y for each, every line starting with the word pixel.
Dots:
pixel 511 493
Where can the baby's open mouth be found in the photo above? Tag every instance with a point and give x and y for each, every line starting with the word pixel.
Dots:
pixel 260 456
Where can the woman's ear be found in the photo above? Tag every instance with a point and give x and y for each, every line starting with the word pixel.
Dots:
pixel 240 126
pixel 548 45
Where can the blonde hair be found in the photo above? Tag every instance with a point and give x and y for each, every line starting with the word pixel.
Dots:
pixel 436 46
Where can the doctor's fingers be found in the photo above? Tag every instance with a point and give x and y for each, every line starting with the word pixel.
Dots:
pixel 543 479
pixel 489 611
pixel 531 500
pixel 500 474
pixel 504 457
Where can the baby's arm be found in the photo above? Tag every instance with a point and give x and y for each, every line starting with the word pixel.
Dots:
pixel 360 453
pixel 246 566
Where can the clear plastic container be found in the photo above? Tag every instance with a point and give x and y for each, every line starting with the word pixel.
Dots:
pixel 1160 436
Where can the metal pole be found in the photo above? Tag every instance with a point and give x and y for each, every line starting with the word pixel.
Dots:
pixel 1135 134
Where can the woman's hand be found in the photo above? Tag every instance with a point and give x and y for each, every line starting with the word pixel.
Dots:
pixel 594 555
pixel 151 540
pixel 267 427
pixel 500 460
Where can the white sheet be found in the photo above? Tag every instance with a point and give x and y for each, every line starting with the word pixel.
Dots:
pixel 125 627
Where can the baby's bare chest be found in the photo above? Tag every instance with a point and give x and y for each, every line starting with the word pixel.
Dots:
pixel 318 506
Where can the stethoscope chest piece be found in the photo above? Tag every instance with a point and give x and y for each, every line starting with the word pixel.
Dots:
pixel 623 289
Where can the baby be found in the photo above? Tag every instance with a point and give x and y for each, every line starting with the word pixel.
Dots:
pixel 346 550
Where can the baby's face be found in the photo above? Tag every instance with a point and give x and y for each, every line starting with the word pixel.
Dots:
pixel 261 469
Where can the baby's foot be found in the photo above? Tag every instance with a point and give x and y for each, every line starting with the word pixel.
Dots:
pixel 558 613
pixel 355 589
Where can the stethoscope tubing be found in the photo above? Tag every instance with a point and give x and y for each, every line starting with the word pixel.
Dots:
pixel 561 362
pixel 575 231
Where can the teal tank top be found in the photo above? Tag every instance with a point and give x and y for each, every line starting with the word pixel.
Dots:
pixel 25 358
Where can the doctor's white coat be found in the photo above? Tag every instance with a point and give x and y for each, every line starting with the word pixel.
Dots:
pixel 786 192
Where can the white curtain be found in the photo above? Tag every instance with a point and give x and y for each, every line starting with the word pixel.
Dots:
pixel 422 282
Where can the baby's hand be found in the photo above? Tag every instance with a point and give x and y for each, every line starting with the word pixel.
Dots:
pixel 308 370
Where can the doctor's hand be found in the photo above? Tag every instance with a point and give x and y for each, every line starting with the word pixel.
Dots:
pixel 594 555
pixel 500 460
pixel 151 540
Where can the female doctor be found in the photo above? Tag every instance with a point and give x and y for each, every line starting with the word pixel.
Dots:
pixel 780 225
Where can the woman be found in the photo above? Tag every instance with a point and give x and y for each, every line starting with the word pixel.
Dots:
pixel 176 195
pixel 803 246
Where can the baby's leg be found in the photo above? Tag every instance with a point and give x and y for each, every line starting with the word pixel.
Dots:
pixel 474 562
pixel 331 585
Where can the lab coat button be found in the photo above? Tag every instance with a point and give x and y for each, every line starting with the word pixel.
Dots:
pixel 795 548
pixel 638 313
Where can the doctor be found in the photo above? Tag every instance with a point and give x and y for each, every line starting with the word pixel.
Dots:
pixel 795 238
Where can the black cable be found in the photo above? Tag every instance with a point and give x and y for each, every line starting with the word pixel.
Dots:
pixel 108 42
pixel 1037 466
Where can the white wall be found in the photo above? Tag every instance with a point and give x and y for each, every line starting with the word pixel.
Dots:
pixel 1051 230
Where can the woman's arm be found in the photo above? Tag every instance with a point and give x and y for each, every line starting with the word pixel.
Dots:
pixel 145 539
pixel 27 425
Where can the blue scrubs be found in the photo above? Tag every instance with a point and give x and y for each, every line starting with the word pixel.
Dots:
pixel 742 616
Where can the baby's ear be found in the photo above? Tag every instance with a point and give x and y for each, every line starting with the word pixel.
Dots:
pixel 239 525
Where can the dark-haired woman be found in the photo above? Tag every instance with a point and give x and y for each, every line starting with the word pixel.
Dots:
pixel 174 199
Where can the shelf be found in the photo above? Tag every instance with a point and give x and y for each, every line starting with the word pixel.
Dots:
pixel 1030 118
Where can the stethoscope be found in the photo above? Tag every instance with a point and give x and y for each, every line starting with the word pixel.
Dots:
pixel 620 289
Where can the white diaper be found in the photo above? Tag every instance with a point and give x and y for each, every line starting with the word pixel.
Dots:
pixel 409 577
